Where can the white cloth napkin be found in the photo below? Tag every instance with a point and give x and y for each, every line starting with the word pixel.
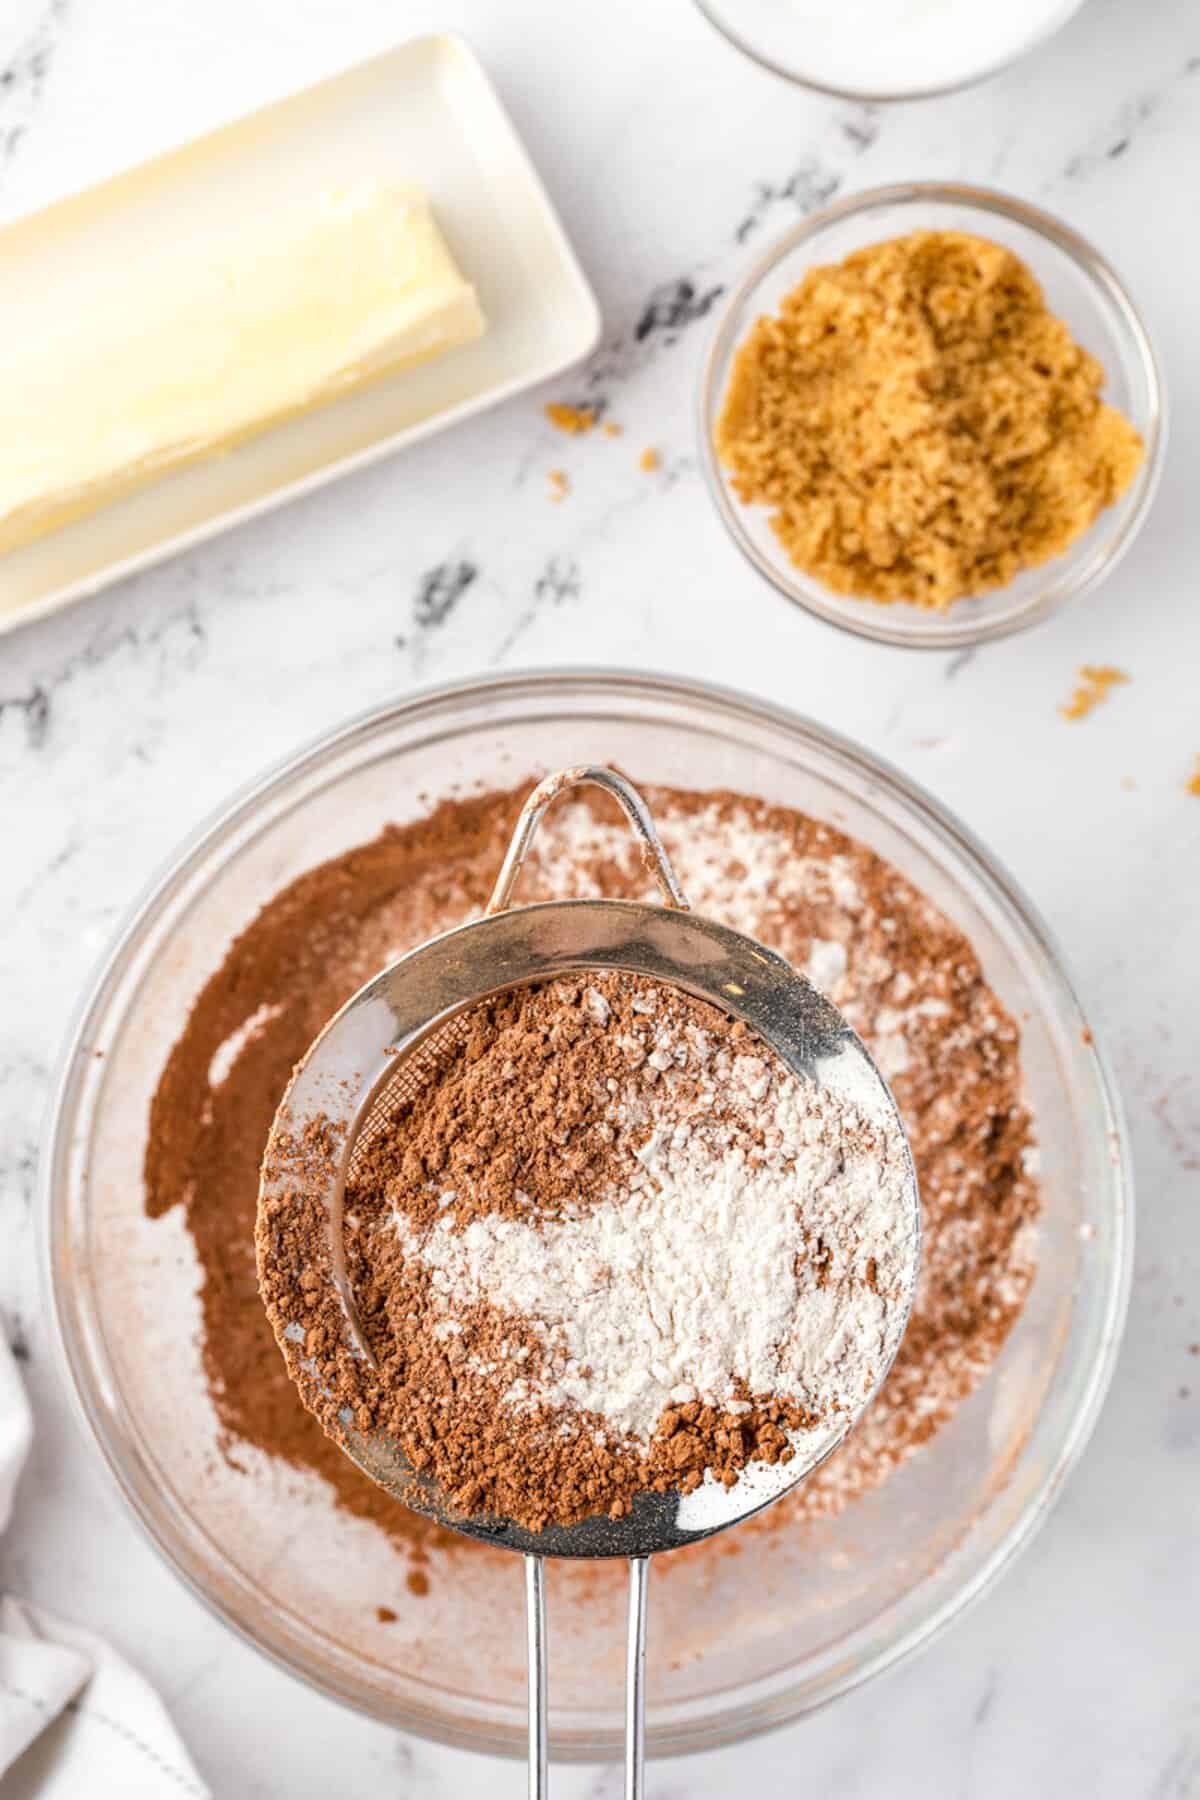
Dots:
pixel 77 1722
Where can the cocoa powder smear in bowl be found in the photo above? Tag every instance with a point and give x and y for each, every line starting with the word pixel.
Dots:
pixel 905 978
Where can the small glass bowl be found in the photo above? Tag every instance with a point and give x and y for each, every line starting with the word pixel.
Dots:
pixel 776 38
pixel 1079 287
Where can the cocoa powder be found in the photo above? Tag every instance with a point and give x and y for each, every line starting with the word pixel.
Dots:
pixel 870 940
pixel 305 953
pixel 541 1106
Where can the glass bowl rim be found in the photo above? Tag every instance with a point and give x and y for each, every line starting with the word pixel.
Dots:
pixel 1040 34
pixel 941 633
pixel 752 1713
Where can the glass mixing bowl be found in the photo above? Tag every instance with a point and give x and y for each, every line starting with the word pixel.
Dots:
pixel 1080 288
pixel 740 1642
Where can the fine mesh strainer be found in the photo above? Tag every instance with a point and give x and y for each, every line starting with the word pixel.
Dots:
pixel 386 1043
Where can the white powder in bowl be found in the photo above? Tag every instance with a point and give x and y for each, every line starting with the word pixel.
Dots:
pixel 882 48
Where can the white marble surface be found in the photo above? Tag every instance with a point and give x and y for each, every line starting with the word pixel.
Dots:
pixel 126 719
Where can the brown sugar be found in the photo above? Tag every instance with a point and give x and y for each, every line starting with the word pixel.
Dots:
pixel 1096 681
pixel 648 461
pixel 920 425
pixel 559 485
pixel 576 421
pixel 1193 786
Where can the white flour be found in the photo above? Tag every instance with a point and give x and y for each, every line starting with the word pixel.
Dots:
pixel 765 1247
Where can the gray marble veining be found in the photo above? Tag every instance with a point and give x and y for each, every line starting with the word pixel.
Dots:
pixel 125 720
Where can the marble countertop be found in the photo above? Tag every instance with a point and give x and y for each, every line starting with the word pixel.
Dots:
pixel 127 718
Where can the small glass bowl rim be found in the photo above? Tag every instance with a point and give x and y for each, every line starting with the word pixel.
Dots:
pixel 942 632
pixel 867 96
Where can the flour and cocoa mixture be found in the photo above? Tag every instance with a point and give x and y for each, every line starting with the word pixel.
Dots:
pixel 902 975
pixel 601 1241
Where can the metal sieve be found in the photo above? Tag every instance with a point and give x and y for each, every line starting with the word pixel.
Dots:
pixel 389 1040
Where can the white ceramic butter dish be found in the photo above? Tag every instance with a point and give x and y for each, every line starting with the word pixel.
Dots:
pixel 424 113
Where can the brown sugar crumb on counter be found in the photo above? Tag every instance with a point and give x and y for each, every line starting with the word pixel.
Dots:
pixel 559 485
pixel 1193 786
pixel 1096 680
pixel 611 430
pixel 920 425
pixel 385 1615
pixel 649 460
pixel 574 420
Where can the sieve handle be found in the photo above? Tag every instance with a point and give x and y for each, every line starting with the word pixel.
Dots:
pixel 635 1678
pixel 631 804
pixel 539 1703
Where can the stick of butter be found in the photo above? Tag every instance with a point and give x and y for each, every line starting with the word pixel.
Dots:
pixel 204 350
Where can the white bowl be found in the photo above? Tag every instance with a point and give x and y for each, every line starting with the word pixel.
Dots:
pixel 778 36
